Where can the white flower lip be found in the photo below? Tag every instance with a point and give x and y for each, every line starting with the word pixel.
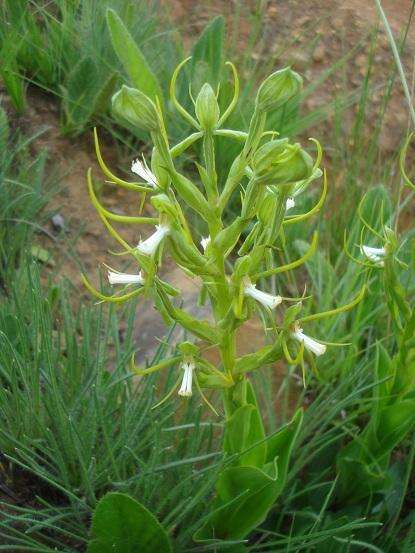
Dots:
pixel 205 242
pixel 267 300
pixel 309 343
pixel 125 278
pixel 186 387
pixel 289 204
pixel 149 246
pixel 141 169
pixel 374 254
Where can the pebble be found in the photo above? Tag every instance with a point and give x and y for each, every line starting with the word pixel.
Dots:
pixel 58 222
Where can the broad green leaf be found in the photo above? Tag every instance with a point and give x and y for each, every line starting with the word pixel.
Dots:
pixel 245 494
pixel 81 87
pixel 242 432
pixel 280 445
pixel 361 475
pixel 207 54
pixel 245 429
pixel 103 97
pixel 395 422
pixel 132 58
pixel 122 525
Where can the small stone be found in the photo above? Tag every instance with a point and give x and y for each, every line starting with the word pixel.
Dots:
pixel 58 222
pixel 299 60
pixel 319 53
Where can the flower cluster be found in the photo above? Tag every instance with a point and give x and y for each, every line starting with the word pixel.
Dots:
pixel 234 259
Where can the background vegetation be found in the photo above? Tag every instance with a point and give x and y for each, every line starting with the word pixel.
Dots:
pixel 74 424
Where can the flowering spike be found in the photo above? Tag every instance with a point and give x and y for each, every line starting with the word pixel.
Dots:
pixel 267 300
pixel 141 169
pixel 149 246
pixel 309 343
pixel 186 387
pixel 124 278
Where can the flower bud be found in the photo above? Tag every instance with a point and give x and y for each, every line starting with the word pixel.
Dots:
pixel 278 88
pixel 279 162
pixel 267 154
pixel 268 206
pixel 207 108
pixel 136 108
pixel 297 168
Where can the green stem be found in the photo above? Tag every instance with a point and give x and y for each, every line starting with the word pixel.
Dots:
pixel 209 155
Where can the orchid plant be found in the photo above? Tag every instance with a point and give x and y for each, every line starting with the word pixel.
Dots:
pixel 233 263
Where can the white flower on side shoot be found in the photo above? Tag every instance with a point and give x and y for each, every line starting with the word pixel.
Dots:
pixel 289 204
pixel 374 254
pixel 267 300
pixel 149 246
pixel 309 343
pixel 205 242
pixel 186 387
pixel 141 169
pixel 125 278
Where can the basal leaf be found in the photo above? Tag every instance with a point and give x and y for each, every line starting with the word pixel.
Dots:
pixel 122 525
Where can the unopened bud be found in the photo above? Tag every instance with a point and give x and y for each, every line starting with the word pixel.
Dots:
pixel 267 154
pixel 207 108
pixel 278 162
pixel 297 168
pixel 278 88
pixel 136 108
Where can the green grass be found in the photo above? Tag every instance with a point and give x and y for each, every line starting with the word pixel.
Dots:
pixel 65 48
pixel 23 198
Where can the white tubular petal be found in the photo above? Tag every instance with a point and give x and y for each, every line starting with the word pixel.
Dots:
pixel 309 343
pixel 141 169
pixel 268 300
pixel 186 387
pixel 374 254
pixel 124 278
pixel 205 242
pixel 149 246
pixel 289 204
